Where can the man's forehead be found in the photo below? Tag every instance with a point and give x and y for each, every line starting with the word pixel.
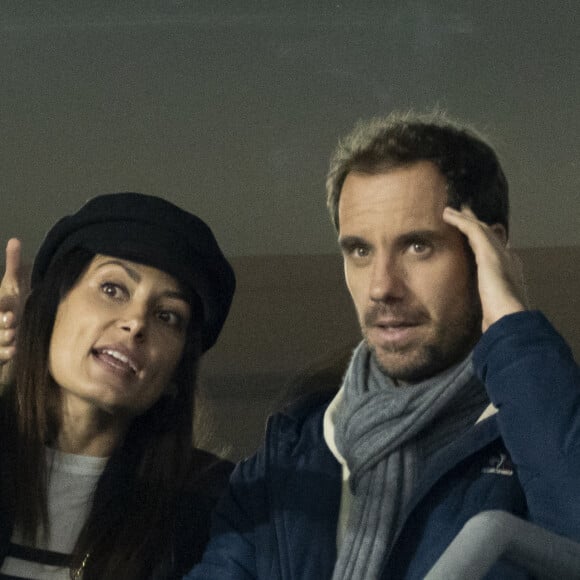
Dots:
pixel 407 198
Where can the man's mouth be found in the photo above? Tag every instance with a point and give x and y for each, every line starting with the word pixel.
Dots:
pixel 392 330
pixel 393 327
pixel 394 323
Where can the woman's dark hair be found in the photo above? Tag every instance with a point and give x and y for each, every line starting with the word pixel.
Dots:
pixel 130 525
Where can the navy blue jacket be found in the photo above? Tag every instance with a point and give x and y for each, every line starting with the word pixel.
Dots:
pixel 279 519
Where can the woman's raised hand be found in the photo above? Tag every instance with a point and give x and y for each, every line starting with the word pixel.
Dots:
pixel 11 302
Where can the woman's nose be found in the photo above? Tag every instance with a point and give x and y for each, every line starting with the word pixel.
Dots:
pixel 134 321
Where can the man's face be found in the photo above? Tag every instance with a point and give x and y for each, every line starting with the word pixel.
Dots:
pixel 409 273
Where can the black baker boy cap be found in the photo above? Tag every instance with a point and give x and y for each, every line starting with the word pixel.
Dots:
pixel 152 231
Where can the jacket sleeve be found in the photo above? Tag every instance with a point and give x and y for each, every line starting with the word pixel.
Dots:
pixel 531 377
pixel 236 523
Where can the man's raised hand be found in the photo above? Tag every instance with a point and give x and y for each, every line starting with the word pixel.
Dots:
pixel 499 271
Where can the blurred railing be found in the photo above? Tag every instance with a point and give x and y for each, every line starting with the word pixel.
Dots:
pixel 494 536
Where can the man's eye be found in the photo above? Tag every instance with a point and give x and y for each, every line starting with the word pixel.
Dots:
pixel 420 248
pixel 361 252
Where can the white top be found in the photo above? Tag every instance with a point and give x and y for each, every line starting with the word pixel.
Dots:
pixel 346 495
pixel 71 484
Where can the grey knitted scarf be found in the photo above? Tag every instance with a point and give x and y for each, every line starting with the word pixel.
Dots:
pixel 380 430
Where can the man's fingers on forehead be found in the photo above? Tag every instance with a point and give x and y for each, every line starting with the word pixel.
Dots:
pixel 465 218
pixel 459 218
pixel 468 214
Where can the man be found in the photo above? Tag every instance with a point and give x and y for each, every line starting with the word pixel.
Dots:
pixel 377 482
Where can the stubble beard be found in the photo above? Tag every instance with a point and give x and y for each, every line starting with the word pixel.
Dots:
pixel 449 343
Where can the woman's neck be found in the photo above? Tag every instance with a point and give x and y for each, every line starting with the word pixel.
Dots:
pixel 85 430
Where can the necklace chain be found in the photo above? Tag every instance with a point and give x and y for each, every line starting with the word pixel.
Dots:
pixel 77 573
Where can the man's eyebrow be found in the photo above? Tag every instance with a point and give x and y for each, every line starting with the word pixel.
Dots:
pixel 430 235
pixel 349 242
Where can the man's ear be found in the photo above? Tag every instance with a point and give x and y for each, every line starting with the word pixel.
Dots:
pixel 500 232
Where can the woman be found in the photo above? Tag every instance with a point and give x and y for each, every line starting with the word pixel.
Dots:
pixel 98 478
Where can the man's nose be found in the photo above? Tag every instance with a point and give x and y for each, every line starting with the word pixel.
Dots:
pixel 387 280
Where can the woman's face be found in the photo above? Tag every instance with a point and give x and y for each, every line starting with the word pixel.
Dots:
pixel 118 337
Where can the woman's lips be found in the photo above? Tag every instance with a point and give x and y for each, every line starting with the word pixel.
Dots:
pixel 117 359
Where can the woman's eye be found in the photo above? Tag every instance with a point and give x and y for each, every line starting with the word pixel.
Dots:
pixel 170 318
pixel 112 290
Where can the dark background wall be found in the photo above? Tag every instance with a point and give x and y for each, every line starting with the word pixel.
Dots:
pixel 292 328
pixel 231 109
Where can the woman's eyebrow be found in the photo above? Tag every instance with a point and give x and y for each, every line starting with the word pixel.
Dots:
pixel 132 273
pixel 177 294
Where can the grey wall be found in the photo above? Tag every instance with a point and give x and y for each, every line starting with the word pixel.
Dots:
pixel 231 108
